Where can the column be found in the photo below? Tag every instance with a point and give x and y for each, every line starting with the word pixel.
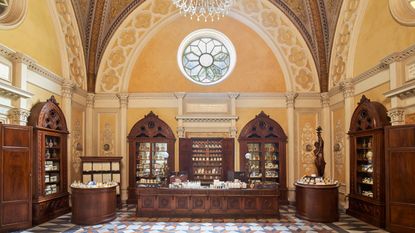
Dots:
pixel 66 106
pixel 19 114
pixel 290 101
pixel 233 130
pixel 397 79
pixel 180 126
pixel 123 97
pixel 89 123
pixel 348 95
pixel 325 124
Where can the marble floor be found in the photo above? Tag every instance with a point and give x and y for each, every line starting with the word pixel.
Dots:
pixel 127 222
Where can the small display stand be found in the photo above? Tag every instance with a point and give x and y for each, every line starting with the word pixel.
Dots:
pixel 317 202
pixel 91 206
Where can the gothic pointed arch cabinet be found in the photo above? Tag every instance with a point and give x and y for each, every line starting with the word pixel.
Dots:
pixel 50 194
pixel 151 146
pixel 367 162
pixel 263 153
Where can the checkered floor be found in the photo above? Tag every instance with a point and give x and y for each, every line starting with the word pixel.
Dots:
pixel 127 222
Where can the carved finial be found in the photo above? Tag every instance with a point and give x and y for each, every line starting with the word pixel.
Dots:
pixel 364 99
pixel 151 114
pixel 53 100
pixel 262 114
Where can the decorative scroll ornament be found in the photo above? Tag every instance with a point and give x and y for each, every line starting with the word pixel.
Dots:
pixel 205 9
pixel 319 153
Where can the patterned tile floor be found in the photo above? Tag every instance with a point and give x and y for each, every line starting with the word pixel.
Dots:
pixel 127 222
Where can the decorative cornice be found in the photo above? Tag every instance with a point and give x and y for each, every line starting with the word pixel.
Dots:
pixel 290 99
pixel 325 99
pixel 206 119
pixel 405 91
pixel 123 97
pixel 67 88
pixel 397 116
pixel 46 73
pixel 233 95
pixel 347 86
pixel 180 95
pixel 22 58
pixel 13 92
pixel 399 56
pixel 90 100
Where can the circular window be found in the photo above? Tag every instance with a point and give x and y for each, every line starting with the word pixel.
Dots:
pixel 206 57
pixel 12 13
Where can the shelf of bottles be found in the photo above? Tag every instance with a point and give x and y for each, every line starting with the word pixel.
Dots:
pixel 207 159
pixel 271 162
pixel 364 166
pixel 263 163
pixel 151 163
pixel 52 164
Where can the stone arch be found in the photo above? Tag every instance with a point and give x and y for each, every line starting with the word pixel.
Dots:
pixel 267 20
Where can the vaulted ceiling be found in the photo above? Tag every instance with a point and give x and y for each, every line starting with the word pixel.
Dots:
pixel 315 19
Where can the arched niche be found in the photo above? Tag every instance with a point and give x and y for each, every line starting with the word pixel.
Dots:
pixel 264 137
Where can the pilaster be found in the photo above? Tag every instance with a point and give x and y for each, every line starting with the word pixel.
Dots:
pixel 347 87
pixel 123 97
pixel 290 102
pixel 89 125
pixel 180 128
pixel 397 116
pixel 66 106
pixel 325 124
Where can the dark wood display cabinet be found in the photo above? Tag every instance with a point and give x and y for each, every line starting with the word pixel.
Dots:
pixel 151 144
pixel 367 162
pixel 50 194
pixel 400 182
pixel 207 159
pixel 262 153
pixel 15 177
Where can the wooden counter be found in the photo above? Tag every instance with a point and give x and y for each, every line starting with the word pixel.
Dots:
pixel 207 203
pixel 317 203
pixel 91 206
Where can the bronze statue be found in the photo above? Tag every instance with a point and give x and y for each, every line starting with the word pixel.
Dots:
pixel 319 153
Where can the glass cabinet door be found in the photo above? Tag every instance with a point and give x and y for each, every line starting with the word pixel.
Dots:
pixel 143 160
pixel 52 155
pixel 271 162
pixel 159 159
pixel 364 168
pixel 254 162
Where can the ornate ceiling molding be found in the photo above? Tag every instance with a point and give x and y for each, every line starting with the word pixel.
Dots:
pixel 289 46
pixel 348 27
pixel 72 42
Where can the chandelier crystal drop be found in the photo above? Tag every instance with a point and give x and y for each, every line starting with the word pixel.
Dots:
pixel 204 9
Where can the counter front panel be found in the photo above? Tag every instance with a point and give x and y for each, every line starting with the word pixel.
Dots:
pixel 164 202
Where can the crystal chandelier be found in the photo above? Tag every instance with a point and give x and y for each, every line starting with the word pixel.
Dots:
pixel 204 9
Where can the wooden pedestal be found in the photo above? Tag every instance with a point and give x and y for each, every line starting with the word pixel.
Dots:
pixel 94 205
pixel 317 203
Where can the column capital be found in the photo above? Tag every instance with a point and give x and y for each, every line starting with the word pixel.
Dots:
pixel 347 87
pixel 90 98
pixel 290 99
pixel 325 99
pixel 22 58
pixel 233 95
pixel 123 99
pixel 397 116
pixel 180 95
pixel 67 88
pixel 181 132
pixel 233 132
pixel 18 116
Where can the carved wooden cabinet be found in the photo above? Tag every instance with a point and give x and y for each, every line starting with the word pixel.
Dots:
pixel 15 177
pixel 400 182
pixel 262 145
pixel 367 162
pixel 207 159
pixel 151 144
pixel 50 194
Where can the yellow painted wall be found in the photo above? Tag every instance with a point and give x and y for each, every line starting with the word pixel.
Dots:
pixel 40 94
pixel 256 70
pixel 36 37
pixel 168 115
pixel 380 36
pixel 376 94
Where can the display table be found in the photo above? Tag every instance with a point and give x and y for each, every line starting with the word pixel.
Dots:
pixel 207 203
pixel 318 203
pixel 91 206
